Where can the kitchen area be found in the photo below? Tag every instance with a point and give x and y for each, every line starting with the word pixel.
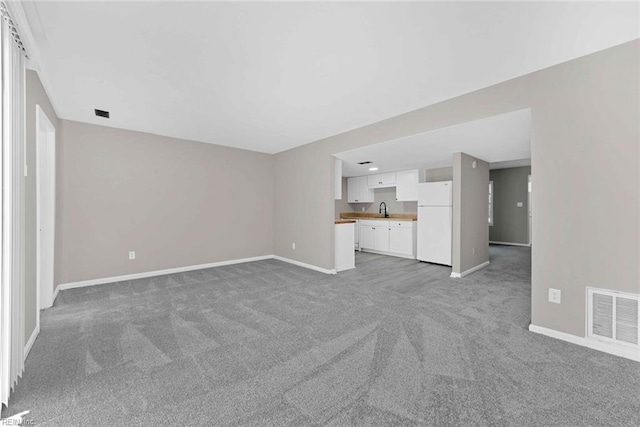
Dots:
pixel 394 214
pixel 426 196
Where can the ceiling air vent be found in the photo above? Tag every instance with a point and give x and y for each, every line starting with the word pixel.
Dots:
pixel 364 163
pixel 102 113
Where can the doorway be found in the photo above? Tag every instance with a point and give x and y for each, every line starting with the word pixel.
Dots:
pixel 46 199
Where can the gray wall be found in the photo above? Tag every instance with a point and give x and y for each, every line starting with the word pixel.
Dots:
pixel 510 223
pixel 35 95
pixel 585 153
pixel 438 174
pixel 176 203
pixel 470 212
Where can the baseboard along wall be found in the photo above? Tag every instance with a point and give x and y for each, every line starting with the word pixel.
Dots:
pixel 469 271
pixel 528 245
pixel 32 339
pixel 627 353
pixel 134 276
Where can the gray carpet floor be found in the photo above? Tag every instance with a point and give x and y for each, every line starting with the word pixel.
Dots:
pixel 393 342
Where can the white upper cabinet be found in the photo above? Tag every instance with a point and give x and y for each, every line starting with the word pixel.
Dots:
pixel 382 180
pixel 337 178
pixel 407 186
pixel 358 190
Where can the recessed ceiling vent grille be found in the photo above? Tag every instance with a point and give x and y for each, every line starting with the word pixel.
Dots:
pixel 102 113
pixel 613 317
pixel 364 163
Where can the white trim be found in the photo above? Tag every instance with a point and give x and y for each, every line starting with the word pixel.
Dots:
pixel 102 281
pixel 71 285
pixel 395 254
pixel 528 245
pixel 55 295
pixel 469 271
pixel 491 203
pixel 338 270
pixel 32 339
pixel 627 353
pixel 305 265
pixel 43 124
pixel 26 29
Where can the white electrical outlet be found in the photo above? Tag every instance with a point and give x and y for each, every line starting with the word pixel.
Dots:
pixel 363 209
pixel 555 295
pixel 473 251
pixel 132 255
pixel 519 204
pixel 293 246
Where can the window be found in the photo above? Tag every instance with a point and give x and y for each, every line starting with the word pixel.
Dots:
pixel 490 202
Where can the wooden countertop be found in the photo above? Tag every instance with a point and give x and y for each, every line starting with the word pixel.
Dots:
pixel 391 217
pixel 344 221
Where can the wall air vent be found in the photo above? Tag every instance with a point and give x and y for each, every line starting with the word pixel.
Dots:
pixel 613 317
pixel 102 113
pixel 364 163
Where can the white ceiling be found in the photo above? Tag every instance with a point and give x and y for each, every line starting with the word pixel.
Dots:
pixel 271 76
pixel 503 141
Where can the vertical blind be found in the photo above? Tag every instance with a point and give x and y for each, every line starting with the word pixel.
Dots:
pixel 12 116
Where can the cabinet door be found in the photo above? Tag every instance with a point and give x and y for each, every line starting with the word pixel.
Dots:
pixel 388 179
pixel 401 241
pixel 358 191
pixel 337 178
pixel 382 238
pixel 374 180
pixel 382 180
pixel 407 186
pixel 365 193
pixel 367 237
pixel 351 190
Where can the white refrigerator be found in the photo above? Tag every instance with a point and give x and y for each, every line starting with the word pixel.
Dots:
pixel 435 200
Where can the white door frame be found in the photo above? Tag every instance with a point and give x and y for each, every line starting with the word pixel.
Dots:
pixel 45 134
pixel 529 207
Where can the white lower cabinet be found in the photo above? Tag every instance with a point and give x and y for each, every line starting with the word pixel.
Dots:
pixel 401 241
pixel 396 238
pixel 367 236
pixel 381 239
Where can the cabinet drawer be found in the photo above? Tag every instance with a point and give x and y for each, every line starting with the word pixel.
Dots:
pixel 373 223
pixel 401 224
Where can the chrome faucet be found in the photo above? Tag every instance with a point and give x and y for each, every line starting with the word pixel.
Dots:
pixel 386 214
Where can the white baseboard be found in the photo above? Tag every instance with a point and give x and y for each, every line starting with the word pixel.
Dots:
pixel 627 353
pixel 528 245
pixel 92 282
pixel 373 251
pixel 134 276
pixel 55 295
pixel 305 265
pixel 32 339
pixel 469 271
pixel 338 270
